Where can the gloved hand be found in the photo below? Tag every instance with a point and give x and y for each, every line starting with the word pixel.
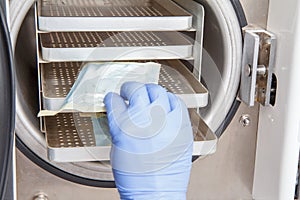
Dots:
pixel 152 138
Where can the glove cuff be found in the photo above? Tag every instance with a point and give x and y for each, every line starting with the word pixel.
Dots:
pixel 154 195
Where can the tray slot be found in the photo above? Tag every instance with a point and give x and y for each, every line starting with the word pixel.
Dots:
pixel 109 15
pixel 70 138
pixel 102 46
pixel 58 79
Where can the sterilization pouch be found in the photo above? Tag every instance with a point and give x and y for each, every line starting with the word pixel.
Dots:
pixel 95 80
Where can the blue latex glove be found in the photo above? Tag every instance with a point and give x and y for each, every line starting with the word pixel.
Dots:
pixel 152 140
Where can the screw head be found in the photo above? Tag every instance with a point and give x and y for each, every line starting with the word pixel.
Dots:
pixel 40 196
pixel 247 70
pixel 245 120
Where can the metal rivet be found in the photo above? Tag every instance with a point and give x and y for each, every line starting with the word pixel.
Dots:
pixel 40 196
pixel 248 70
pixel 245 120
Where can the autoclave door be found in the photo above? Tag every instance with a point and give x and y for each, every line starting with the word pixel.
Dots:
pixel 7 112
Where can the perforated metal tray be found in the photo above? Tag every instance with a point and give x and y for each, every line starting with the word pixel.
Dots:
pixel 58 78
pixel 71 138
pixel 111 15
pixel 101 46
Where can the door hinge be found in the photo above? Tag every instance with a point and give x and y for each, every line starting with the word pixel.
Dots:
pixel 257 77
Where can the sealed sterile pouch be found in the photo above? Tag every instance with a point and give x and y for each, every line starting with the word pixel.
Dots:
pixel 95 80
pixel 101 131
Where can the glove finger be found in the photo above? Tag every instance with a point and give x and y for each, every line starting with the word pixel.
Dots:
pixel 136 93
pixel 159 96
pixel 173 101
pixel 177 104
pixel 115 105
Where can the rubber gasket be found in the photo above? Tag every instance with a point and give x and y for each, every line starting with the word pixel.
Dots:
pixel 239 12
pixel 236 104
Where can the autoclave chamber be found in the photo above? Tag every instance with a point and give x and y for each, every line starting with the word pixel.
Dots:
pixel 220 74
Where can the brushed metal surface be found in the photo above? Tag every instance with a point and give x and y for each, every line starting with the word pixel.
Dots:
pixel 256 11
pixel 227 174
pixel 32 180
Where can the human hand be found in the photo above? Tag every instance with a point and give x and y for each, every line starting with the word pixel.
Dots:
pixel 152 142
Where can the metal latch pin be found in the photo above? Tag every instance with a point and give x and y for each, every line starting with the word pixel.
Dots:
pixel 258 66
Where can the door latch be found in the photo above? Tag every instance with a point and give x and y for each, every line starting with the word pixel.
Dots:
pixel 257 77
